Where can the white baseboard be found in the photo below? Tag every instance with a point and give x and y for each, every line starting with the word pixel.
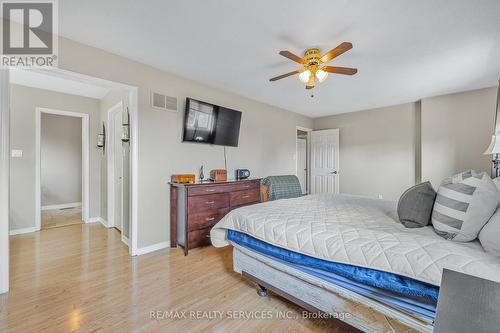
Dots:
pixel 62 206
pixel 151 248
pixel 97 219
pixel 125 240
pixel 22 231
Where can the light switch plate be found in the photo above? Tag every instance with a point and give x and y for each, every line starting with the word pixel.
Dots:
pixel 16 153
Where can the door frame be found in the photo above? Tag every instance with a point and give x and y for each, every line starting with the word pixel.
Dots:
pixel 308 159
pixel 85 161
pixel 4 179
pixel 110 167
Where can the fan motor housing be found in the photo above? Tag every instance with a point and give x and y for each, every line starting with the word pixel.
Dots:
pixel 312 57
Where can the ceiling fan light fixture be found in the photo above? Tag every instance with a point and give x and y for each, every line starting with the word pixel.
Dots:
pixel 321 75
pixel 304 76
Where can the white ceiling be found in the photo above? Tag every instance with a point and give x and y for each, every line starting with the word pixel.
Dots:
pixel 55 83
pixel 404 49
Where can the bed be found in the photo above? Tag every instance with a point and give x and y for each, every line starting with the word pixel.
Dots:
pixel 348 256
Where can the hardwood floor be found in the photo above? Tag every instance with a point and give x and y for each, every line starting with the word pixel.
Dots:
pixel 81 278
pixel 61 217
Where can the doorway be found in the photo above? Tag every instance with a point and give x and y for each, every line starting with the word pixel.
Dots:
pixel 62 168
pixel 302 157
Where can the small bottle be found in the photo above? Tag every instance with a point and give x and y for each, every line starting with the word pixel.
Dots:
pixel 202 176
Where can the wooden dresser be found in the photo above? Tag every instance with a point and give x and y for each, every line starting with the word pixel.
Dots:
pixel 196 208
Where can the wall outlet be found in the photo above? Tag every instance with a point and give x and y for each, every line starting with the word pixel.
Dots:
pixel 380 196
pixel 16 153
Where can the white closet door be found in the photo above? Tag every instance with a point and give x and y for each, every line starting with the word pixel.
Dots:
pixel 325 161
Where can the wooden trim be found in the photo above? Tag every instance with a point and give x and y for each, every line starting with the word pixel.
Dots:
pixel 265 193
pixel 297 301
pixel 173 216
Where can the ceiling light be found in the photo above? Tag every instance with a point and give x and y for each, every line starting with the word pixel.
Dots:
pixel 321 75
pixel 304 76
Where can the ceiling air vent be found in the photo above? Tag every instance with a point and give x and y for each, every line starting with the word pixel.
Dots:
pixel 163 102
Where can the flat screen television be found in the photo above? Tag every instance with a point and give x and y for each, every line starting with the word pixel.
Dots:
pixel 212 124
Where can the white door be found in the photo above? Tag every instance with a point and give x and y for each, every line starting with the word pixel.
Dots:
pixel 114 152
pixel 118 166
pixel 325 161
pixel 302 163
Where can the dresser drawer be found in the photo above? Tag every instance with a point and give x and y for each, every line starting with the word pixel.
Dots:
pixel 203 203
pixel 240 198
pixel 205 219
pixel 245 185
pixel 208 189
pixel 199 237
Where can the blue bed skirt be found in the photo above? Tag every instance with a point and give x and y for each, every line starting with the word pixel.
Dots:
pixel 405 293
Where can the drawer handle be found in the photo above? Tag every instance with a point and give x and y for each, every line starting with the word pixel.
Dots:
pixel 210 190
pixel 210 218
pixel 246 186
pixel 210 202
pixel 246 196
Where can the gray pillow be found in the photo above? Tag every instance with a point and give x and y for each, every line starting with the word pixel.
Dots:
pixel 490 234
pixel 415 205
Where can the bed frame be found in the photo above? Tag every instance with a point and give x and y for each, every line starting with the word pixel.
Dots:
pixel 313 294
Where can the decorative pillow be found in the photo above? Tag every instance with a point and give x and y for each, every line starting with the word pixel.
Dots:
pixel 464 204
pixel 490 234
pixel 496 181
pixel 415 205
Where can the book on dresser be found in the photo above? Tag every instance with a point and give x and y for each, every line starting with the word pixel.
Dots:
pixel 196 208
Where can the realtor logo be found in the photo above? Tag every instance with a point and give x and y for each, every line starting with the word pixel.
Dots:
pixel 29 33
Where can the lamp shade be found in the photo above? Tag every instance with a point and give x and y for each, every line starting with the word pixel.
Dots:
pixel 494 147
pixel 304 76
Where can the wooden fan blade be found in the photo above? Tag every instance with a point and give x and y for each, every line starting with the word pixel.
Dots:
pixel 340 70
pixel 293 57
pixel 345 46
pixel 284 75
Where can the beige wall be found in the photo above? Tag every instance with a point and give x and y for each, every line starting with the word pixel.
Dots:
pixel 384 151
pixel 456 130
pixel 61 159
pixel 24 101
pixel 377 149
pixel 267 137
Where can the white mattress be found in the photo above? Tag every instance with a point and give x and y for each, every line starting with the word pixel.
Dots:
pixel 358 231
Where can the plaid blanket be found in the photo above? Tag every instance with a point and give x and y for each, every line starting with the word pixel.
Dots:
pixel 283 187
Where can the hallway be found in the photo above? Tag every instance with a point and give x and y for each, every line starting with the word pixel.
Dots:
pixel 54 218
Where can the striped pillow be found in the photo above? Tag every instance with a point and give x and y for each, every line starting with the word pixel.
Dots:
pixel 464 203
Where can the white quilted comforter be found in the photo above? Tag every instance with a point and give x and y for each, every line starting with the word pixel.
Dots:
pixel 358 231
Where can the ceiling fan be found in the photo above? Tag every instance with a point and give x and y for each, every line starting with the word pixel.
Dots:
pixel 313 65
